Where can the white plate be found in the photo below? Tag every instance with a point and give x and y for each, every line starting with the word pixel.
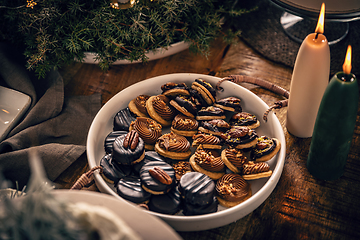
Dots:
pixel 13 105
pixel 153 55
pixel 147 226
pixel 103 123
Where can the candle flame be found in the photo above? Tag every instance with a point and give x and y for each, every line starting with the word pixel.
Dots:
pixel 347 63
pixel 320 24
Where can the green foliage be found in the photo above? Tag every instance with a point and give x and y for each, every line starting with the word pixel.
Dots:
pixel 55 32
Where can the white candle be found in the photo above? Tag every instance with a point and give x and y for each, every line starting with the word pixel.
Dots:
pixel 309 80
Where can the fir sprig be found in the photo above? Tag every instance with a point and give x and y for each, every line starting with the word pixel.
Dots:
pixel 53 33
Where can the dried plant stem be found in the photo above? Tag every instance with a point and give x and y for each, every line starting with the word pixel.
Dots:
pixel 262 83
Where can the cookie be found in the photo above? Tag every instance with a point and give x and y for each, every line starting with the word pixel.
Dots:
pixel 128 149
pixel 159 109
pixel 174 89
pixel 197 188
pixel 138 106
pixel 184 126
pixel 255 170
pixel 244 119
pixel 149 130
pixel 123 119
pixel 185 105
pixel 110 139
pixel 169 203
pixel 208 141
pixel 216 127
pixel 240 137
pixel 181 168
pixel 174 146
pixel 232 189
pixel 232 104
pixel 205 162
pixel 130 189
pixel 149 156
pixel 206 90
pixel 209 113
pixel 265 149
pixel 234 159
pixel 157 177
pixel 193 210
pixel 111 171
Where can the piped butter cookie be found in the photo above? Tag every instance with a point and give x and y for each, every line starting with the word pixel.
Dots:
pixel 149 130
pixel 255 170
pixel 207 141
pixel 174 146
pixel 159 109
pixel 232 189
pixel 138 105
pixel 234 159
pixel 184 126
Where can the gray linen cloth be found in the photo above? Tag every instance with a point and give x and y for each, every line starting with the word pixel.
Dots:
pixel 54 126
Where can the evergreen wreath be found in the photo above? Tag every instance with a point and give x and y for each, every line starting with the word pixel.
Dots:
pixel 55 32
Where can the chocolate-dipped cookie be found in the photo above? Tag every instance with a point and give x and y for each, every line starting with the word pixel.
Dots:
pixel 112 172
pixel 216 127
pixel 205 89
pixel 172 89
pixel 208 141
pixel 184 126
pixel 209 113
pixel 169 203
pixel 122 120
pixel 255 170
pixel 173 146
pixel 192 210
pixel 149 130
pixel 185 105
pixel 130 189
pixel 197 99
pixel 231 104
pixel 128 149
pixel 159 109
pixel 265 149
pixel 138 106
pixel 196 188
pixel 240 137
pixel 205 162
pixel 149 156
pixel 110 139
pixel 157 177
pixel 232 189
pixel 234 159
pixel 244 119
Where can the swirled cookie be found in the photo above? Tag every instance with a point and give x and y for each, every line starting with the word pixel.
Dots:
pixel 149 130
pixel 174 146
pixel 159 109
pixel 138 105
pixel 231 104
pixel 255 170
pixel 184 126
pixel 234 159
pixel 232 189
pixel 207 141
pixel 205 162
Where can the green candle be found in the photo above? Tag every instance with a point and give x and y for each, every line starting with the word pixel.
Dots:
pixel 334 125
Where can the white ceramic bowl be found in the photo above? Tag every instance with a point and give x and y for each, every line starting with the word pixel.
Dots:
pixel 103 123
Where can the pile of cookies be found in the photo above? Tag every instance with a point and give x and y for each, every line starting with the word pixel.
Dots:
pixel 206 159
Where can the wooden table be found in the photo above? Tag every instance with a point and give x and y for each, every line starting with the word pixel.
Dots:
pixel 300 207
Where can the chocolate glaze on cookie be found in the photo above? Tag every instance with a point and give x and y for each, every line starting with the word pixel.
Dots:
pixel 169 203
pixel 130 189
pixel 230 104
pixel 197 188
pixel 126 155
pixel 111 171
pixel 110 139
pixel 149 182
pixel 123 119
pixel 149 156
pixel 192 210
